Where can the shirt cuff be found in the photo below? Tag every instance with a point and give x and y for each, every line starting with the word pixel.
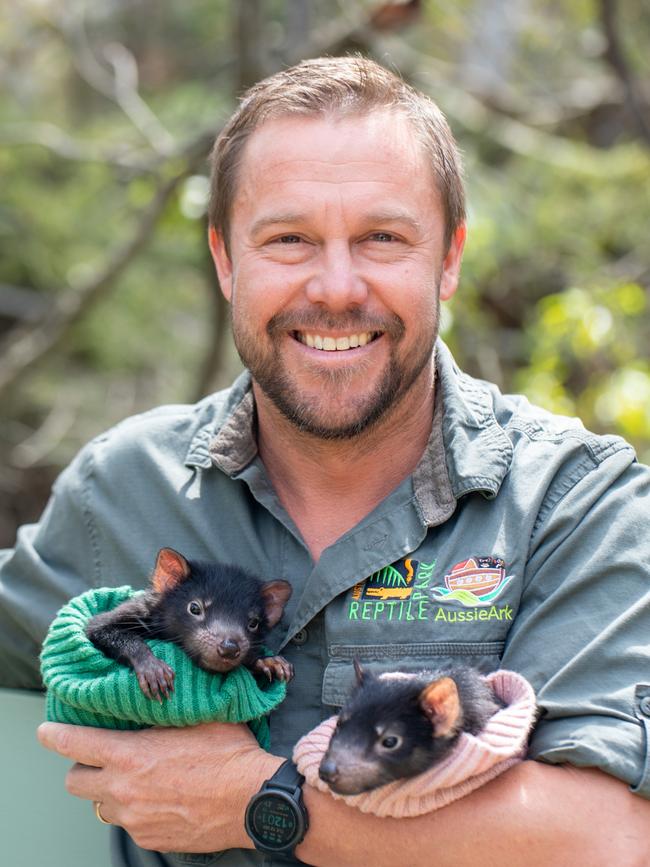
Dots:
pixel 619 747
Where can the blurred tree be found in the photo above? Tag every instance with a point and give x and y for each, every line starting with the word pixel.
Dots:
pixel 108 301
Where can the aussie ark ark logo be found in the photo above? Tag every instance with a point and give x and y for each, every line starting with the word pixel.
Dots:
pixel 474 583
pixel 401 592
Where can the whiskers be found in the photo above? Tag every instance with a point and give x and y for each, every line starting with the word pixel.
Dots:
pixel 176 637
pixel 135 624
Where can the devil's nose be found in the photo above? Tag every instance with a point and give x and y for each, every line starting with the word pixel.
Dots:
pixel 228 649
pixel 328 770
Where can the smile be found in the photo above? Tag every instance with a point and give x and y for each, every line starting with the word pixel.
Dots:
pixel 336 344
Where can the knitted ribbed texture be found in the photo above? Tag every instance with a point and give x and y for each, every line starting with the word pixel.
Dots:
pixel 474 760
pixel 85 687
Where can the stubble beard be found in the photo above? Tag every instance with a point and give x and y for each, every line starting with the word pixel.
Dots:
pixel 310 416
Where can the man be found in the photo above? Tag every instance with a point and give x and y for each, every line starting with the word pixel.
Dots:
pixel 337 224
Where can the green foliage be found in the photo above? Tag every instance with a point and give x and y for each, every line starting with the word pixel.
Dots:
pixel 589 358
pixel 554 296
pixel 549 303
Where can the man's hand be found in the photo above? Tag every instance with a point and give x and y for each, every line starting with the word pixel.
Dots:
pixel 181 790
pixel 187 789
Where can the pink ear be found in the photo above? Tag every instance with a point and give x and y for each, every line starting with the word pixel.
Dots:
pixel 275 594
pixel 359 673
pixel 171 568
pixel 440 702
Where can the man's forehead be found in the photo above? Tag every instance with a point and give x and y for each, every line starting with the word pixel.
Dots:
pixel 384 136
pixel 307 158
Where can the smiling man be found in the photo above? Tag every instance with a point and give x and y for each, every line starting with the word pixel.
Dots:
pixel 422 517
pixel 345 328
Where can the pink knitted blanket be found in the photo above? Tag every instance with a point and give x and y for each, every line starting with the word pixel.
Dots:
pixel 474 760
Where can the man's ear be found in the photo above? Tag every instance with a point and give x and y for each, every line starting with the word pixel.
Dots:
pixel 451 265
pixel 221 261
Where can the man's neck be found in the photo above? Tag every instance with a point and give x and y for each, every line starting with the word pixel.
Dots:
pixel 328 486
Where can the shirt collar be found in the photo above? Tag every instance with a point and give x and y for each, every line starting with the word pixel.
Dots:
pixel 235 444
pixel 478 450
pixel 227 440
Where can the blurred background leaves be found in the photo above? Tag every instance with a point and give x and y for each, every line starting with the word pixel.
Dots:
pixel 108 301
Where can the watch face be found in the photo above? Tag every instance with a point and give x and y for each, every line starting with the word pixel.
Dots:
pixel 273 819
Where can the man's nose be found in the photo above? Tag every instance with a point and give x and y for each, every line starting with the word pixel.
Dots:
pixel 337 283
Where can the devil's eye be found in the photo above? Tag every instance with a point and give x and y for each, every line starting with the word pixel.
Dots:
pixel 194 608
pixel 254 624
pixel 390 742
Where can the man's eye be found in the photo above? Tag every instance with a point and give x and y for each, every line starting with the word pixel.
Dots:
pixel 382 236
pixel 288 239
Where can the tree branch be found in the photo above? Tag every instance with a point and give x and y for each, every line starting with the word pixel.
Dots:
pixel 511 134
pixel 121 87
pixel 57 140
pixel 128 98
pixel 615 56
pixel 25 347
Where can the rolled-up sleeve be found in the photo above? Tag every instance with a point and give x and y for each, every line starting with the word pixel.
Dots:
pixel 582 634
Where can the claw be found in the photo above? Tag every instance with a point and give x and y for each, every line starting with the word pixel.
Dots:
pixel 156 679
pixel 274 666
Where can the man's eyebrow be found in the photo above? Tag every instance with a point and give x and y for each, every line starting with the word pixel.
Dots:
pixel 292 217
pixel 393 216
pixel 376 218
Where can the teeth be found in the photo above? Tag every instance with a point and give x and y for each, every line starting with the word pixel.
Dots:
pixel 331 344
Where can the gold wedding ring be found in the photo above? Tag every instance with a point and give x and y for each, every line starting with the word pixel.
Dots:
pixel 97 805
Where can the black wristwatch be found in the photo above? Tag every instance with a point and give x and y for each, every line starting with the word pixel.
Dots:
pixel 276 817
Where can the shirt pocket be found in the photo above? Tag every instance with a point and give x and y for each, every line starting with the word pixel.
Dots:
pixel 339 677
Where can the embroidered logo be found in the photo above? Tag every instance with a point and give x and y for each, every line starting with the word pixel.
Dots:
pixel 396 592
pixel 474 582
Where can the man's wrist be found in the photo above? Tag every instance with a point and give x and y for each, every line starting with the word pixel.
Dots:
pixel 262 766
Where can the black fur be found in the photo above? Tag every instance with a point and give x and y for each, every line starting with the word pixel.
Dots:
pixel 229 631
pixel 382 708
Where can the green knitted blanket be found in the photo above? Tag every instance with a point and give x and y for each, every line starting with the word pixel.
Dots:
pixel 85 687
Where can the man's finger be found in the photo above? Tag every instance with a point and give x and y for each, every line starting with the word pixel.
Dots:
pixel 88 746
pixel 84 782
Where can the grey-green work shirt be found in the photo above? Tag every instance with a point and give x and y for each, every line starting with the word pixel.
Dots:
pixel 521 541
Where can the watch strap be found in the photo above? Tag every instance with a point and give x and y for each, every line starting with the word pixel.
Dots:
pixel 286 777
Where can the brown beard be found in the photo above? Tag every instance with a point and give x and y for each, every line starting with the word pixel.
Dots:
pixel 268 372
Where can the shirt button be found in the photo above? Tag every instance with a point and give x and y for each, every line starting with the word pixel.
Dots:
pixel 644 705
pixel 301 637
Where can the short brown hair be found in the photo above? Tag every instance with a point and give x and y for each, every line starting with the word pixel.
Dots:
pixel 339 86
